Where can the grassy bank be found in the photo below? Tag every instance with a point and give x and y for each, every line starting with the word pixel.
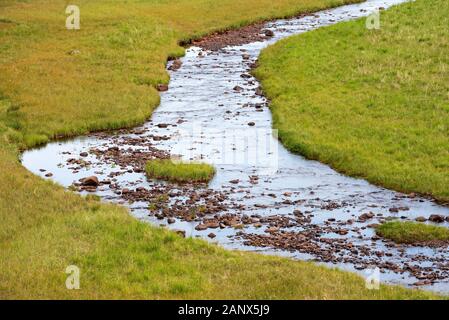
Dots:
pixel 60 81
pixel 45 228
pixel 55 82
pixel 179 171
pixel 413 233
pixel 371 103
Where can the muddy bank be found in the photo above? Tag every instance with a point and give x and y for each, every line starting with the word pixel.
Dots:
pixel 235 37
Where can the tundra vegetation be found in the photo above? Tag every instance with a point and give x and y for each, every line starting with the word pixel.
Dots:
pixel 60 83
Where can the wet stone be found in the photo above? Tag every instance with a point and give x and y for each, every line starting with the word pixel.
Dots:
pixel 90 181
pixel 437 218
pixel 269 33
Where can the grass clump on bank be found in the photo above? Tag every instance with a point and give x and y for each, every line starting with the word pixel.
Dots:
pixel 413 233
pixel 371 103
pixel 169 170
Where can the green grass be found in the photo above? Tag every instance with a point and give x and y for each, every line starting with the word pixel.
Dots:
pixel 47 228
pixel 413 232
pixel 46 93
pixel 371 103
pixel 121 51
pixel 179 171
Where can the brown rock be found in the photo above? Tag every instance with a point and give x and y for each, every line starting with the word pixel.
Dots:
pixel 422 283
pixel 175 65
pixel 272 230
pixel 90 181
pixel 269 33
pixel 366 216
pixel 201 227
pixel 436 218
pixel 162 87
pixel 213 225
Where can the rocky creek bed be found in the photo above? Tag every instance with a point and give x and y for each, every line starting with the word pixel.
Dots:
pixel 263 198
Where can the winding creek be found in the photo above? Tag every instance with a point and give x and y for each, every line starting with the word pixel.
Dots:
pixel 263 198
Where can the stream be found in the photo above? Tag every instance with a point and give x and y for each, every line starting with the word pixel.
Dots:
pixel 263 198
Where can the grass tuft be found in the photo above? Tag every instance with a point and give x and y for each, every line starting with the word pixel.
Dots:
pixel 413 233
pixel 166 169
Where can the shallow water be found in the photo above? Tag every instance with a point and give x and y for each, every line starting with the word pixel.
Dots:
pixel 208 121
